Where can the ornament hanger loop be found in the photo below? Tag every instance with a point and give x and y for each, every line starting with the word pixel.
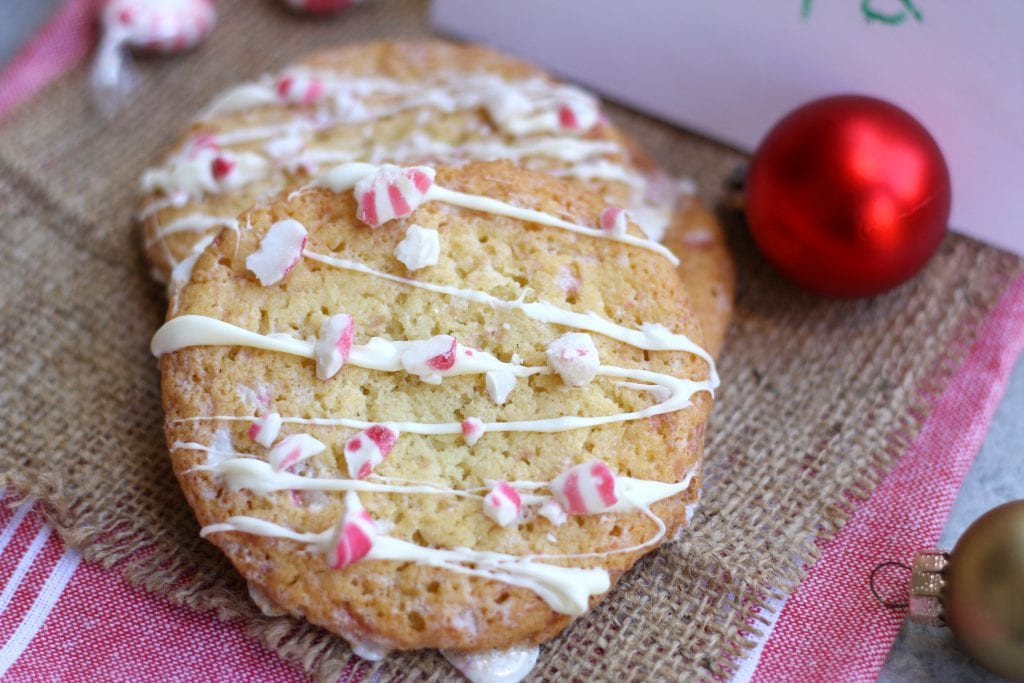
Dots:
pixel 874 590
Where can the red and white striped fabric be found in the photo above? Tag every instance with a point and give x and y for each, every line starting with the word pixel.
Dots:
pixel 65 620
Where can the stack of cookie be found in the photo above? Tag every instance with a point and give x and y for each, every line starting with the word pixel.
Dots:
pixel 438 359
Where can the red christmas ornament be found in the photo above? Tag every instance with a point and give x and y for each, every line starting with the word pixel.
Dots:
pixel 848 196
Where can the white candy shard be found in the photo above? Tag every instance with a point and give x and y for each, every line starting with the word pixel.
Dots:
pixel 354 536
pixel 293 449
pixel 579 113
pixel 553 512
pixel 500 384
pixel 392 192
pixel 502 504
pixel 279 251
pixel 614 220
pixel 427 358
pixel 265 429
pixel 472 430
pixel 368 448
pixel 332 348
pixel 587 489
pixel 420 248
pixel 574 357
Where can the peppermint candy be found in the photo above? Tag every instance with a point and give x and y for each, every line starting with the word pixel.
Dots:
pixel 392 192
pixel 614 220
pixel 420 248
pixel 368 448
pixel 587 489
pixel 502 504
pixel 165 26
pixel 334 344
pixel 300 89
pixel 293 449
pixel 264 430
pixel 321 7
pixel 354 536
pixel 428 358
pixel 499 384
pixel 578 114
pixel 574 358
pixel 472 430
pixel 279 251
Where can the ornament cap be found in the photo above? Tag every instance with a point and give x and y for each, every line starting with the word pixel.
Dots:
pixel 927 584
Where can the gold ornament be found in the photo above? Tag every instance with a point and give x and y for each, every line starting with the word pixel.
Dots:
pixel 978 590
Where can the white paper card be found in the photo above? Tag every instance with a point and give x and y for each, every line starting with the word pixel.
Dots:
pixel 731 68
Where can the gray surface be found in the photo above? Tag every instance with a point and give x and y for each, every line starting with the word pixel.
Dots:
pixel 996 477
pixel 920 654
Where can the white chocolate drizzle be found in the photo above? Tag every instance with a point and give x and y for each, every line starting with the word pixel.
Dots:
pixel 495 666
pixel 345 176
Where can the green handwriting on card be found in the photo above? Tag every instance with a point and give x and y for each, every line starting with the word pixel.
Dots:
pixel 892 18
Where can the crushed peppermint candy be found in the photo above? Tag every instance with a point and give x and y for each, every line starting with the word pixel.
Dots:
pixel 265 429
pixel 298 89
pixel 420 248
pixel 392 192
pixel 427 358
pixel 368 448
pixel 579 114
pixel 222 166
pixel 614 220
pixel 293 449
pixel 279 251
pixel 574 357
pixel 587 489
pixel 502 504
pixel 472 430
pixel 354 536
pixel 334 344
pixel 499 384
pixel 552 511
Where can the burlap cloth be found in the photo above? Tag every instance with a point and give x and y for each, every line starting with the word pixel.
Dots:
pixel 818 397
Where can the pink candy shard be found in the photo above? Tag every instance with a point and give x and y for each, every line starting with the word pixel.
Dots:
pixel 472 430
pixel 279 251
pixel 614 220
pixel 265 429
pixel 392 192
pixel 586 489
pixel 334 344
pixel 222 166
pixel 578 115
pixel 425 358
pixel 354 536
pixel 300 89
pixel 502 504
pixel 368 448
pixel 293 449
pixel 574 357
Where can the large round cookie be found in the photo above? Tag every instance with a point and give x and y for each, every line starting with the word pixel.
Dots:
pixel 442 571
pixel 431 102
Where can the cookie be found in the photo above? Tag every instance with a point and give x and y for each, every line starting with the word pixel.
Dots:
pixel 404 103
pixel 461 443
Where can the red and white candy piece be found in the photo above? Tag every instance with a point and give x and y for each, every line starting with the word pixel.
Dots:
pixel 321 7
pixel 614 220
pixel 157 25
pixel 354 536
pixel 265 429
pixel 279 251
pixel 499 384
pixel 586 489
pixel 428 358
pixel 368 448
pixel 334 345
pixel 300 89
pixel 223 166
pixel 579 114
pixel 392 192
pixel 472 430
pixel 574 357
pixel 502 504
pixel 293 449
